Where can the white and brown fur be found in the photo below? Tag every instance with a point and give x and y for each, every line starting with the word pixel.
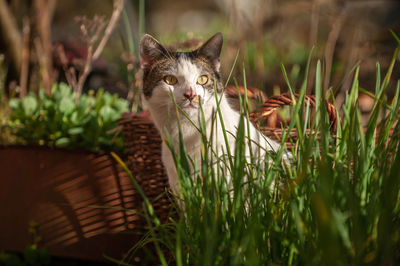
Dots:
pixel 157 62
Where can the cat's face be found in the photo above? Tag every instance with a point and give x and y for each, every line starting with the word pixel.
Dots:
pixel 188 77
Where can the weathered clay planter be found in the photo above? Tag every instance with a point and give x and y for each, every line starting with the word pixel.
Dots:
pixel 68 194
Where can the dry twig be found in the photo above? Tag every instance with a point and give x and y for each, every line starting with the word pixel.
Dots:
pixel 91 31
pixel 45 10
pixel 69 71
pixel 11 35
pixel 23 81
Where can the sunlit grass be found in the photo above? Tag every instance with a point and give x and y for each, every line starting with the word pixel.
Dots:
pixel 337 204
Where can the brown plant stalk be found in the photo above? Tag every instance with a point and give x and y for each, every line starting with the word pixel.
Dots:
pixel 11 35
pixel 93 54
pixel 23 81
pixel 43 44
pixel 330 45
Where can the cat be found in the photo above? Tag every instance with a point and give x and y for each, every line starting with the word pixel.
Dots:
pixel 190 78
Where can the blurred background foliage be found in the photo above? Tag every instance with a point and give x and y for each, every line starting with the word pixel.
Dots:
pixel 56 36
pixel 266 32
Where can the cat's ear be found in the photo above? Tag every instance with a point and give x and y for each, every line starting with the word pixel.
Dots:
pixel 211 49
pixel 150 51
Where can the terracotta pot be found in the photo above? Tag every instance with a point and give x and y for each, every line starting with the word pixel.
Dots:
pixel 68 194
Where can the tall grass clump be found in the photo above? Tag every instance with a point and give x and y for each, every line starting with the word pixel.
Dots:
pixel 336 204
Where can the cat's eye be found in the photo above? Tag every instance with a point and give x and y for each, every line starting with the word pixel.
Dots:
pixel 170 80
pixel 202 80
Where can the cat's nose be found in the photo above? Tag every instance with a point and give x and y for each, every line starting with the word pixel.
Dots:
pixel 190 94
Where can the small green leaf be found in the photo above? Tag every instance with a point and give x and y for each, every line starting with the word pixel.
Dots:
pixel 67 105
pixel 44 256
pixel 107 98
pixel 64 89
pixel 10 259
pixel 29 104
pixel 63 142
pixel 31 255
pixel 14 103
pixel 75 131
pixel 74 118
pixel 108 114
pixel 121 105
